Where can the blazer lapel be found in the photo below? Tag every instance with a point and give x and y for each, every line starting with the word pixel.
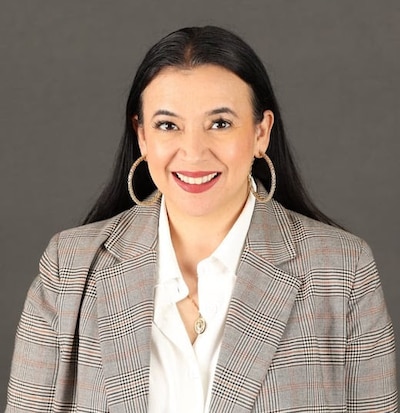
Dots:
pixel 125 309
pixel 262 300
pixel 260 307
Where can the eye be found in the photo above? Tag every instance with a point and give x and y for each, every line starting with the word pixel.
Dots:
pixel 165 125
pixel 221 124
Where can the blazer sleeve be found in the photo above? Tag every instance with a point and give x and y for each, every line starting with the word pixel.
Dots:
pixel 370 352
pixel 33 378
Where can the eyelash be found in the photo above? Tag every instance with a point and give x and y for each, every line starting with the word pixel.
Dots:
pixel 221 120
pixel 166 125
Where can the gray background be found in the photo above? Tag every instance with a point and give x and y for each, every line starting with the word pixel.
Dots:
pixel 65 71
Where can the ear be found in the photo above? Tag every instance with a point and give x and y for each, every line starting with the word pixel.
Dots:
pixel 263 130
pixel 138 128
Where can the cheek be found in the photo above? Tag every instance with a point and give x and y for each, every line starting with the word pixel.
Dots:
pixel 241 151
pixel 158 156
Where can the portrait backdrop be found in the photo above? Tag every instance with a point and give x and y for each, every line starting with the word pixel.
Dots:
pixel 66 68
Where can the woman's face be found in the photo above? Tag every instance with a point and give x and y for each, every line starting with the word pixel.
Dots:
pixel 199 136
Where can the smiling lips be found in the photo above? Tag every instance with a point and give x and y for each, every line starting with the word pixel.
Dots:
pixel 196 182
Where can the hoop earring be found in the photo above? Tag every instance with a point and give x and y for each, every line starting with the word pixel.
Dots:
pixel 273 182
pixel 149 202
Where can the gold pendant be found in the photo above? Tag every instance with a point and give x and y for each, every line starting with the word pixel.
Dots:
pixel 200 325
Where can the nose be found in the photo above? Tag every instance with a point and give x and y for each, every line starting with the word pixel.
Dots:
pixel 193 144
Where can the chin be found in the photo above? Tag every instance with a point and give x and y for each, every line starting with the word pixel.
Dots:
pixel 196 208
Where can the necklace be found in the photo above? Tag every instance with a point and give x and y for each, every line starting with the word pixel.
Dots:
pixel 200 323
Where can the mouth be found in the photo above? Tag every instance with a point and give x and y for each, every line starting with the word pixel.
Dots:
pixel 196 180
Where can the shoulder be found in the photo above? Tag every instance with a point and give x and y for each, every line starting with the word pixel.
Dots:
pixel 327 259
pixel 321 242
pixel 78 247
pixel 85 235
pixel 310 230
pixel 327 247
pixel 279 235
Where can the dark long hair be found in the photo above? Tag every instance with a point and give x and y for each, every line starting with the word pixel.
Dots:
pixel 188 48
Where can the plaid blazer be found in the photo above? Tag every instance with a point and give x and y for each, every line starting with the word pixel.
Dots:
pixel 307 328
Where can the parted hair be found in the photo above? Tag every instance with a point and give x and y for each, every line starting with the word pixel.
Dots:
pixel 189 48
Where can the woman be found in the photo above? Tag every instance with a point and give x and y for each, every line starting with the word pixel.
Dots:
pixel 212 297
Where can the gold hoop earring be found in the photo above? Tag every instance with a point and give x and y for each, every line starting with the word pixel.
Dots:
pixel 273 182
pixel 149 202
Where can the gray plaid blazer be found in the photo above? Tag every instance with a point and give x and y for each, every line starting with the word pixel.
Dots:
pixel 307 328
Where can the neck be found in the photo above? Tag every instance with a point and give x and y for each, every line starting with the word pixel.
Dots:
pixel 197 237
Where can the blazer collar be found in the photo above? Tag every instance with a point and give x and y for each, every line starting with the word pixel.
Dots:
pixel 135 233
pixel 270 233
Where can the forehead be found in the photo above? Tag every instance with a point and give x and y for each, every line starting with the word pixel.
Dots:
pixel 207 83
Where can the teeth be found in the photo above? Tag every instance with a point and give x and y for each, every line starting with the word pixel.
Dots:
pixel 196 181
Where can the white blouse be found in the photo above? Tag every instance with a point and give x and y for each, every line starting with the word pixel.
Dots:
pixel 181 374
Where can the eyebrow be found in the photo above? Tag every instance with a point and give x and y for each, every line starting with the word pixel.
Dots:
pixel 165 113
pixel 223 109
pixel 216 111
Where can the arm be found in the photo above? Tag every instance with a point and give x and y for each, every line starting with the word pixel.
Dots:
pixel 36 355
pixel 370 354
